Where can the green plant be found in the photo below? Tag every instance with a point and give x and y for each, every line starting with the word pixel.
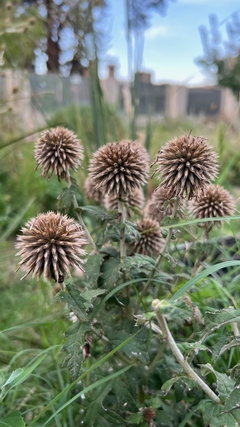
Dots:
pixel 151 340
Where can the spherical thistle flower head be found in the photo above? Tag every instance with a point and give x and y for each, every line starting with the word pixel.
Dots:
pixel 119 167
pixel 91 192
pixel 49 245
pixel 57 151
pixel 135 199
pixel 187 165
pixel 150 241
pixel 215 202
pixel 159 206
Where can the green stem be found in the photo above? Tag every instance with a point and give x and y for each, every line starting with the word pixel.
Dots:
pixel 159 258
pixel 123 216
pixel 156 304
pixel 79 216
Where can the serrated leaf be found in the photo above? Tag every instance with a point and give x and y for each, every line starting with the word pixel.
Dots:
pixel 218 318
pixel 225 384
pixel 94 407
pixel 123 395
pixel 75 340
pixel 177 311
pixel 136 348
pixel 168 384
pixel 92 269
pixel 88 295
pixel 100 212
pixel 111 270
pixel 113 418
pixel 233 400
pixel 139 261
pixel 66 197
pixel 214 417
pixel 14 419
pixel 74 301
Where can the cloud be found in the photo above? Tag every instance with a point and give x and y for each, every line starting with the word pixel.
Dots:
pixel 154 32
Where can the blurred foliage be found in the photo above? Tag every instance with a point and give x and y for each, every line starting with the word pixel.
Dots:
pixel 20 34
pixel 221 57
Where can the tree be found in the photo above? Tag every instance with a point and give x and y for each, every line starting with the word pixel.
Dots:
pixel 222 57
pixel 71 20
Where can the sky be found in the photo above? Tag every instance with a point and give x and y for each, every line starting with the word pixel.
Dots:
pixel 172 43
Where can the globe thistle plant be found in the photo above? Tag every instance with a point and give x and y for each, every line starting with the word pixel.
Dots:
pixel 150 241
pixel 215 202
pixel 159 206
pixel 135 199
pixel 49 245
pixel 57 151
pixel 119 167
pixel 187 165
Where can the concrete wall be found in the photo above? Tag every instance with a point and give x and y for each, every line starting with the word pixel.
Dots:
pixel 34 97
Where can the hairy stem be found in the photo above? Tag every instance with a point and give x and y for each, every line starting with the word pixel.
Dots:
pixel 159 258
pixel 178 355
pixel 123 216
pixel 79 216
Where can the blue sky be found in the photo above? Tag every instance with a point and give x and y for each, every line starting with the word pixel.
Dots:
pixel 172 42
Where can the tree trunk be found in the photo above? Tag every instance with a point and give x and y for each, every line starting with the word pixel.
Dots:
pixel 52 45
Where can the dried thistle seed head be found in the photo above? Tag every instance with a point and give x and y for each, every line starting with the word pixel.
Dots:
pixel 91 192
pixel 119 167
pixel 149 414
pixel 159 206
pixel 49 245
pixel 215 202
pixel 135 199
pixel 57 151
pixel 187 165
pixel 150 241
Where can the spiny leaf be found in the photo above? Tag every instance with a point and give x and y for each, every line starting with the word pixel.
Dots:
pixel 123 396
pixel 136 348
pixel 94 407
pixel 111 270
pixel 65 199
pixel 175 310
pixel 233 400
pixel 73 346
pixel 100 213
pixel 88 295
pixel 213 415
pixel 218 318
pixel 92 269
pixel 168 384
pixel 74 301
pixel 225 384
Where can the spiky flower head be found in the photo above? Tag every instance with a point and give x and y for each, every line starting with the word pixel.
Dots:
pixel 135 199
pixel 215 202
pixel 91 192
pixel 150 241
pixel 159 205
pixel 57 151
pixel 119 167
pixel 50 244
pixel 187 165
